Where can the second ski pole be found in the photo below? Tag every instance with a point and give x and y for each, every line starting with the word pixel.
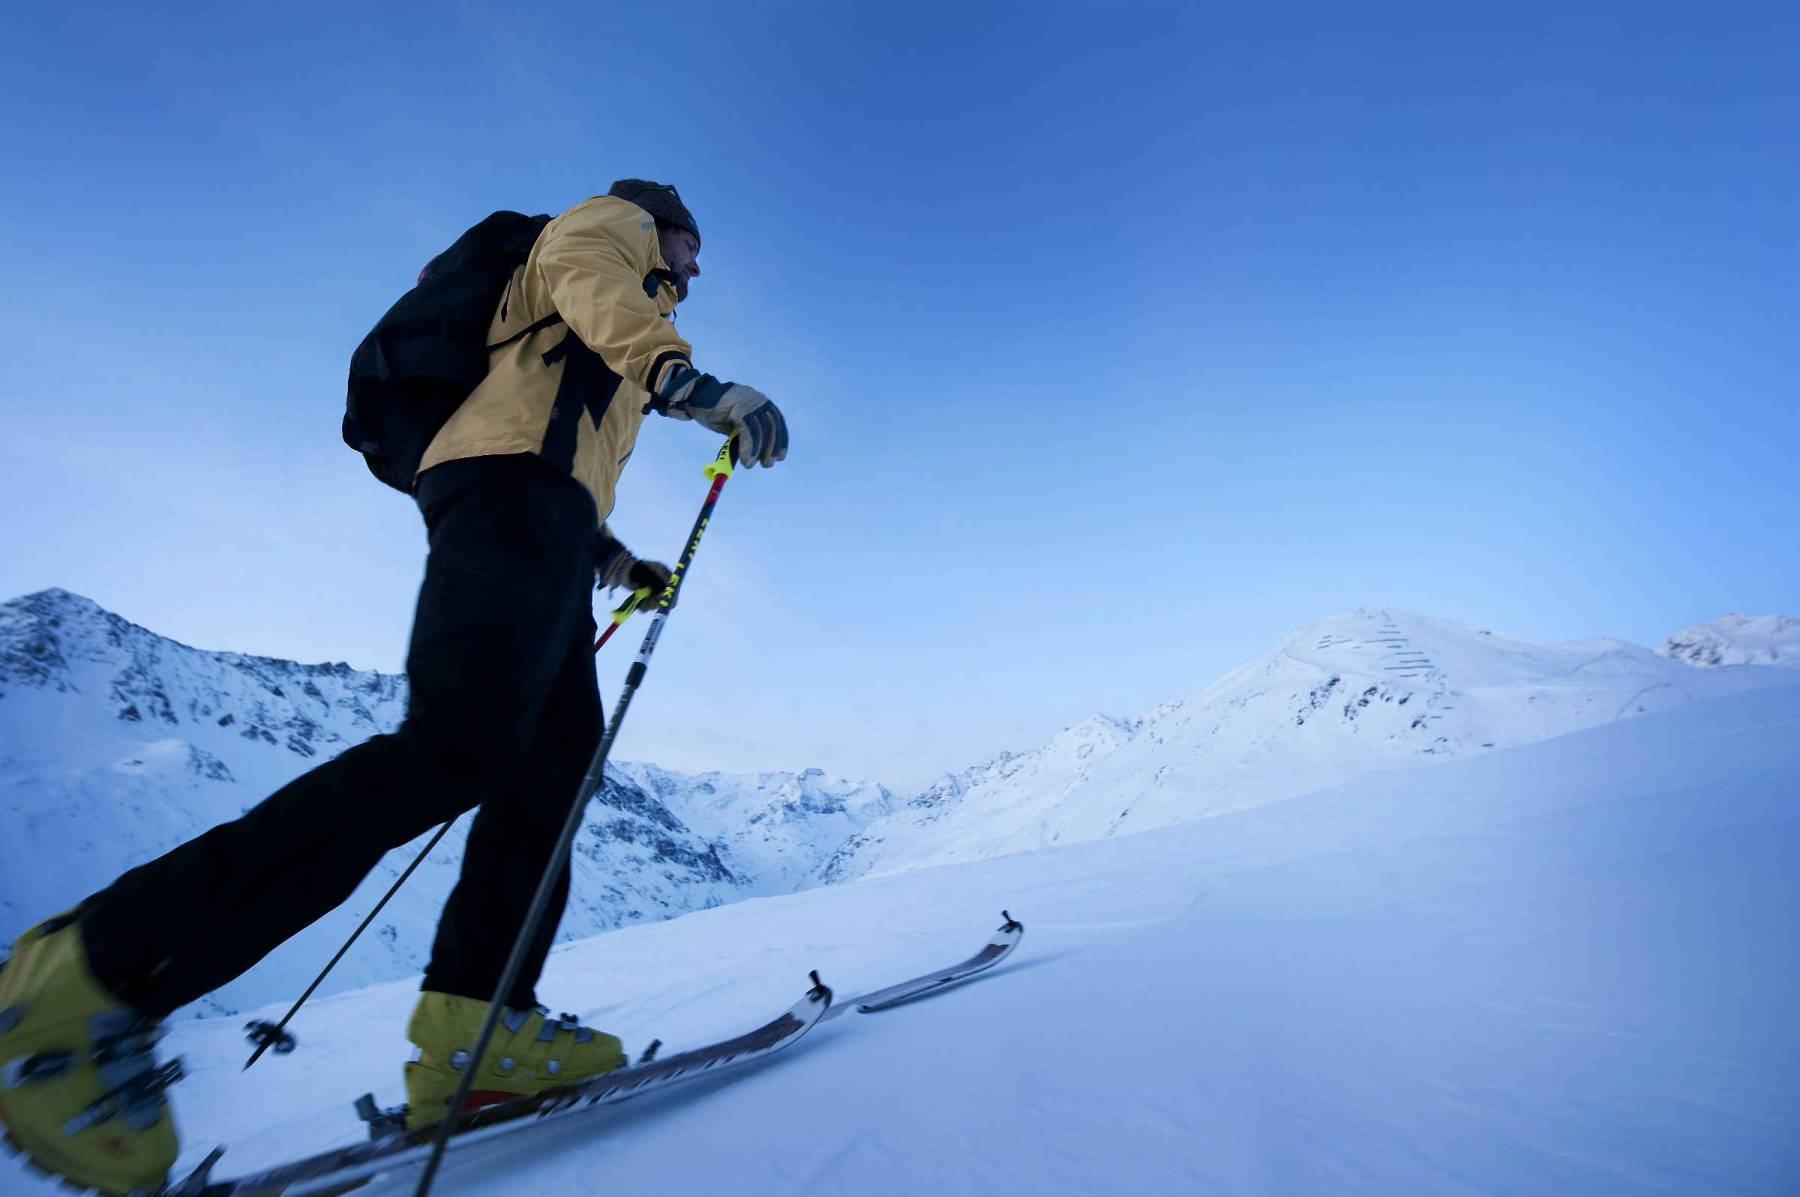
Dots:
pixel 265 1034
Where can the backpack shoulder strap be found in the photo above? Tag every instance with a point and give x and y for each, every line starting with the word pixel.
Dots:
pixel 554 318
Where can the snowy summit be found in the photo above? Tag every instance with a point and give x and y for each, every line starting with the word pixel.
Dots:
pixel 1737 640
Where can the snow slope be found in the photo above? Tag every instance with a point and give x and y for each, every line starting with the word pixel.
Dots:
pixel 116 744
pixel 1566 967
pixel 1361 693
pixel 1737 640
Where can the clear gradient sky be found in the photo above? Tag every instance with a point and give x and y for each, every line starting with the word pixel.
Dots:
pixel 1117 341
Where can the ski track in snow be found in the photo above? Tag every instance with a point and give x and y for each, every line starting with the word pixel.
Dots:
pixel 1568 967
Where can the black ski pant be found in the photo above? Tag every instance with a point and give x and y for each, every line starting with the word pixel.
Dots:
pixel 503 713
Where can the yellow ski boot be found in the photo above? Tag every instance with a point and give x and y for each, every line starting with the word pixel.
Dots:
pixel 530 1052
pixel 80 1091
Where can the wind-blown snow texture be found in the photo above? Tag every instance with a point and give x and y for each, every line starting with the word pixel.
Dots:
pixel 1566 967
pixel 116 744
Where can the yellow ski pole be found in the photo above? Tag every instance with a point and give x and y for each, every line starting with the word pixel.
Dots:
pixel 718 469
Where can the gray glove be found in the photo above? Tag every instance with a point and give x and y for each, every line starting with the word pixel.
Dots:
pixel 728 408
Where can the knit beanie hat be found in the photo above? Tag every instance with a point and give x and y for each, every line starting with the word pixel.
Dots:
pixel 661 200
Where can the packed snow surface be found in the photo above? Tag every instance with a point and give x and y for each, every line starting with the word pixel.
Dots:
pixel 1565 967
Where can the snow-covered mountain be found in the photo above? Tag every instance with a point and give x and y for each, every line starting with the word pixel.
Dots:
pixel 1563 968
pixel 1737 640
pixel 1365 692
pixel 775 828
pixel 116 744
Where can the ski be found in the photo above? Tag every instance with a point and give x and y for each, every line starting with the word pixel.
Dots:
pixel 391 1148
pixel 998 947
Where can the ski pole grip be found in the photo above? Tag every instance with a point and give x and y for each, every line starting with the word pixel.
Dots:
pixel 723 462
pixel 633 601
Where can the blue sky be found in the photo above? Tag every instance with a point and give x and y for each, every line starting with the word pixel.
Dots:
pixel 1117 341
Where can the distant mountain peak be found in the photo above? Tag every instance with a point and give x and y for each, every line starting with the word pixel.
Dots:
pixel 1737 639
pixel 1097 732
pixel 55 605
pixel 58 596
pixel 38 632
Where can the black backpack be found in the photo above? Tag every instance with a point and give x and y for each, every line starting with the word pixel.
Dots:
pixel 422 359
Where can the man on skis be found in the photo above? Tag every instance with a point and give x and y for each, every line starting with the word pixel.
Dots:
pixel 504 714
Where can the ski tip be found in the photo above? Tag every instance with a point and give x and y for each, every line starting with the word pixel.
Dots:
pixel 1011 923
pixel 820 991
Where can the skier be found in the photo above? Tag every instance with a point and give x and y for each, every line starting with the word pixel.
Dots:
pixel 504 714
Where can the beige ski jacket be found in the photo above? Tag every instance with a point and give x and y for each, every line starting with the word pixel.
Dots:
pixel 574 392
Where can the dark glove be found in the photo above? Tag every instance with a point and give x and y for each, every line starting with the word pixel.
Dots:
pixel 614 566
pixel 652 576
pixel 728 408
